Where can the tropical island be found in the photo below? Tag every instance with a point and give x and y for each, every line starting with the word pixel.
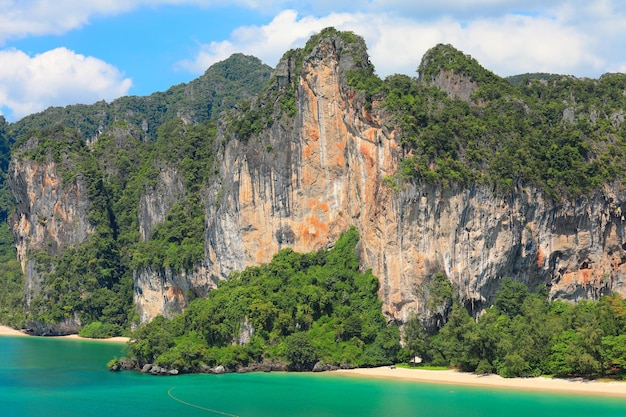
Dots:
pixel 316 217
pixel 318 312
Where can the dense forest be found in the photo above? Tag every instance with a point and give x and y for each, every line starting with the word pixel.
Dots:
pixel 301 309
pixel 524 334
pixel 559 134
pixel 556 133
pixel 118 149
pixel 298 309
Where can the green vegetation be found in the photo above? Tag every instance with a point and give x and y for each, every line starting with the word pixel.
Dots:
pixel 560 134
pixel 298 309
pixel 556 133
pixel 523 79
pixel 11 278
pixel 178 242
pixel 525 335
pixel 99 330
pixel 93 281
pixel 221 87
pixel 137 137
pixel 11 282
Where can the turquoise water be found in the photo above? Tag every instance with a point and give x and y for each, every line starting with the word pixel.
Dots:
pixel 52 377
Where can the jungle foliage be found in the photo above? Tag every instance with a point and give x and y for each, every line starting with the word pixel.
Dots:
pixel 560 134
pixel 523 335
pixel 298 309
pixel 116 151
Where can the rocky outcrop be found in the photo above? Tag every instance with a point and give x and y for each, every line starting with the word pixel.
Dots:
pixel 456 85
pixel 304 180
pixel 167 292
pixel 476 238
pixel 49 214
pixel 327 173
pixel 157 201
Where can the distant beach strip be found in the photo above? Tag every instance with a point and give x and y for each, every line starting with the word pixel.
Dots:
pixel 569 386
pixel 543 384
pixel 9 331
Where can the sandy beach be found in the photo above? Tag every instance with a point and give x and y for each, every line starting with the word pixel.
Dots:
pixel 8 331
pixel 612 389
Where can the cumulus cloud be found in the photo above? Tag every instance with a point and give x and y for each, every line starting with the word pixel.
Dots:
pixel 576 37
pixel 558 40
pixel 58 77
pixel 19 18
pixel 267 42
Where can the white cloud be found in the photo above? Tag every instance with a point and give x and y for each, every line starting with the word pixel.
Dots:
pixel 562 40
pixel 19 18
pixel 507 36
pixel 57 77
pixel 268 42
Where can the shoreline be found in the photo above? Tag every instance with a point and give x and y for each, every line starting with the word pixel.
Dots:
pixel 615 389
pixel 450 377
pixel 9 331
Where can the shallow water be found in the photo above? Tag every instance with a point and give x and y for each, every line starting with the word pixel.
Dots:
pixel 52 377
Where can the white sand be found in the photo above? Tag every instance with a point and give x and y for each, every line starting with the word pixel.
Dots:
pixel 8 331
pixel 613 389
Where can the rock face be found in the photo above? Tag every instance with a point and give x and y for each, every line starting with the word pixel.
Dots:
pixel 301 183
pixel 166 292
pixel 327 174
pixel 158 201
pixel 49 214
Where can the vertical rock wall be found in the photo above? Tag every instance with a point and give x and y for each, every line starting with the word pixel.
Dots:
pixel 326 172
pixel 49 214
pixel 302 182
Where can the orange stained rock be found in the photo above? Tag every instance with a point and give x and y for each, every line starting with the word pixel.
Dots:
pixel 340 147
pixel 59 211
pixel 586 275
pixel 50 181
pixel 308 177
pixel 312 230
pixel 311 132
pixel 306 151
pixel 317 205
pixel 367 156
pixel 569 278
pixel 540 258
pixel 175 292
pixel 261 255
pixel 615 264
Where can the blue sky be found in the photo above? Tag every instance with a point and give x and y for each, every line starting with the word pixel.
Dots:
pixel 60 52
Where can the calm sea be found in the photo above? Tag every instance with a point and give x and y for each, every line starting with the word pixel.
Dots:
pixel 52 377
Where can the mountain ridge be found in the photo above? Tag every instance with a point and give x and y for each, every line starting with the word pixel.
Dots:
pixel 441 174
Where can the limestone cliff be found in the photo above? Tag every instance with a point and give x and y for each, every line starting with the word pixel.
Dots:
pixel 49 216
pixel 301 180
pixel 326 170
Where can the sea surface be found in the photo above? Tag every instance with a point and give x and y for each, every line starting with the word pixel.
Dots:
pixel 52 377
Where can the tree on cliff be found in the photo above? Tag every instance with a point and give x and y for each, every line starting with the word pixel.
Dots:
pixel 300 353
pixel 299 308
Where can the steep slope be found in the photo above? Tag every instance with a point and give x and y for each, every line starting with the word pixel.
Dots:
pixel 218 89
pixel 80 175
pixel 300 181
pixel 456 173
